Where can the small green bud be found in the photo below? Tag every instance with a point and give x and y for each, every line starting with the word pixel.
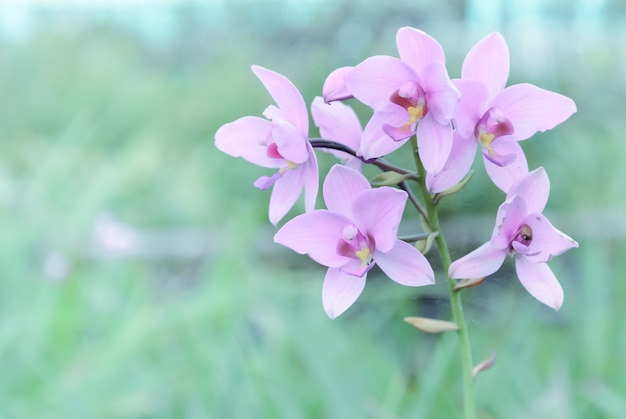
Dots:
pixel 424 245
pixel 456 188
pixel 390 178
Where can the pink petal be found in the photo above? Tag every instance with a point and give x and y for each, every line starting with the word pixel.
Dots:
pixel 488 62
pixel 340 291
pixel 375 141
pixel 471 106
pixel 337 122
pixel 286 191
pixel 315 234
pixel 310 175
pixel 377 214
pixel 477 264
pixel 505 176
pixel 416 48
pixel 405 265
pixel 534 188
pixel 290 142
pixel 341 187
pixel 335 86
pixel 531 109
pixel 539 281
pixel 286 96
pixel 547 241
pixel 441 94
pixel 457 166
pixel 511 215
pixel 434 143
pixel 248 138
pixel 375 79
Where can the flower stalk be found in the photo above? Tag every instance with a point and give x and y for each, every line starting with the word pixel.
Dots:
pixel 465 349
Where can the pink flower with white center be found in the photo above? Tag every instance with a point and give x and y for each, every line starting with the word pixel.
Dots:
pixel 409 95
pixel 280 141
pixel 338 122
pixel 359 229
pixel 496 117
pixel 523 232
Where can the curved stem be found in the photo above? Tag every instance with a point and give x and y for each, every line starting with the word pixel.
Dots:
pixel 380 163
pixel 465 348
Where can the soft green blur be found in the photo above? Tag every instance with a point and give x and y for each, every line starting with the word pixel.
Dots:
pixel 138 277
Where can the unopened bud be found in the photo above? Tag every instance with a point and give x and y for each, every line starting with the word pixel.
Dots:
pixel 431 325
pixel 390 178
pixel 456 188
pixel 424 245
pixel 485 365
pixel 468 283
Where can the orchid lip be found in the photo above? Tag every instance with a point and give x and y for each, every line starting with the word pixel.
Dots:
pixel 412 97
pixel 492 125
pixel 357 246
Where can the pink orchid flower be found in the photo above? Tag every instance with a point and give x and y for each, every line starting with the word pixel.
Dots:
pixel 523 232
pixel 280 142
pixel 495 117
pixel 413 94
pixel 338 122
pixel 358 230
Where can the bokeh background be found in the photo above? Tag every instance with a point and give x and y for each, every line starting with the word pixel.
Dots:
pixel 138 277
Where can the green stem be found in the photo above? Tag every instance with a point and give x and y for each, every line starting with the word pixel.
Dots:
pixel 465 348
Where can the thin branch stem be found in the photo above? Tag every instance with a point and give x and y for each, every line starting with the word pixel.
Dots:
pixel 380 163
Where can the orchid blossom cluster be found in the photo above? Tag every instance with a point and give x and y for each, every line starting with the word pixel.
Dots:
pixel 413 99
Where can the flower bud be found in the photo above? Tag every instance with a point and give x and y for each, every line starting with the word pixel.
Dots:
pixel 431 325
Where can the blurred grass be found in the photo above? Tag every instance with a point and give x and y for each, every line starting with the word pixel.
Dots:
pixel 96 120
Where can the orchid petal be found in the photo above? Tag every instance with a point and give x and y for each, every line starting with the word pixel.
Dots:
pixel 479 263
pixel 286 96
pixel 531 109
pixel 539 281
pixel 505 176
pixel 375 141
pixel 511 215
pixel 337 122
pixel 315 234
pixel 488 62
pixel 375 79
pixel 377 213
pixel 405 265
pixel 471 106
pixel 310 175
pixel 534 188
pixel 335 86
pixel 248 138
pixel 442 95
pixel 286 191
pixel 340 290
pixel 341 187
pixel 291 145
pixel 417 48
pixel 546 241
pixel 457 166
pixel 434 142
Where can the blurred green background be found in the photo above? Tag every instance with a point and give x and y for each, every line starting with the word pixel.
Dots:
pixel 137 269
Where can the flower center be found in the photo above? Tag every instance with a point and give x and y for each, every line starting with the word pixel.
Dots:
pixel 411 97
pixel 272 151
pixel 524 237
pixel 491 126
pixel 356 245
